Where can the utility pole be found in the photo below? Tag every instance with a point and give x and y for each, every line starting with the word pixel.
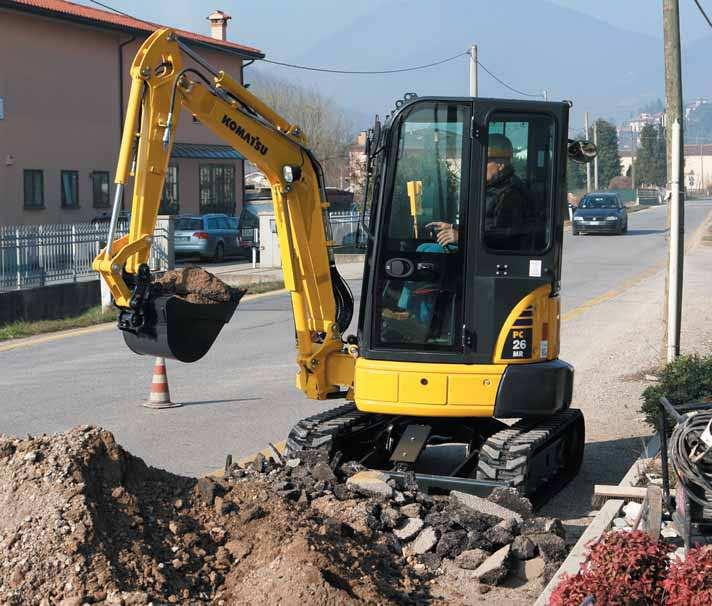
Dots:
pixel 588 164
pixel 672 313
pixel 702 165
pixel 473 70
pixel 595 161
pixel 546 95
pixel 674 266
pixel 634 145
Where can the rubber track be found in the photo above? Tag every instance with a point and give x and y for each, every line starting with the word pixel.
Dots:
pixel 318 431
pixel 506 454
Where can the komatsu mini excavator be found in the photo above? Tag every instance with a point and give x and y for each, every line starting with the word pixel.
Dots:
pixel 458 327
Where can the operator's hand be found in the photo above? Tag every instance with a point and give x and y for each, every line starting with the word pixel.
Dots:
pixel 447 234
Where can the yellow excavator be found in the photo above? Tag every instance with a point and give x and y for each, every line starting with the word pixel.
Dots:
pixel 458 327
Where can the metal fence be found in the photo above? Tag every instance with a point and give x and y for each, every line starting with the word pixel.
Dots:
pixel 346 229
pixel 36 255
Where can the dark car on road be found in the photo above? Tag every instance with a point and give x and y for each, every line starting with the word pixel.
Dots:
pixel 212 236
pixel 600 213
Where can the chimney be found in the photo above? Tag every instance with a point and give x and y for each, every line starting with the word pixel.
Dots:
pixel 218 25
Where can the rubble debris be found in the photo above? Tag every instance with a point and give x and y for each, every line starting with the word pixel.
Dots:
pixel 195 285
pixel 483 506
pixel 495 568
pixel 276 529
pixel 471 559
pixel 452 544
pixel 542 525
pixel 424 542
pixel 370 483
pixel 523 548
pixel 511 499
pixel 551 547
pixel 412 527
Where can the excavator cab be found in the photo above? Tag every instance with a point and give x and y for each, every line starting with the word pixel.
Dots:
pixel 469 223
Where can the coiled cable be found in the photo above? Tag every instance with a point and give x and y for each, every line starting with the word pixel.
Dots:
pixel 690 457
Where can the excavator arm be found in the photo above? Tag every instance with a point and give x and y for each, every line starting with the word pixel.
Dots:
pixel 161 85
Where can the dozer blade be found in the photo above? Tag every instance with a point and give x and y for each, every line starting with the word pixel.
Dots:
pixel 174 328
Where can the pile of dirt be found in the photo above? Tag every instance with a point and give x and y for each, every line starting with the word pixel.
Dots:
pixel 195 285
pixel 86 522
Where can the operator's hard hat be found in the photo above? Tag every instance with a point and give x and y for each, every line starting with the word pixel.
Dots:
pixel 499 146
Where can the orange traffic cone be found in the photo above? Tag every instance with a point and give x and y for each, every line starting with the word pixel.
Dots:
pixel 160 396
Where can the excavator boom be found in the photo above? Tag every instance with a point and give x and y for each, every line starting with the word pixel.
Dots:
pixel 161 85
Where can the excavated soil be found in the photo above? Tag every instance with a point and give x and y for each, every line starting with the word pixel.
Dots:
pixel 84 521
pixel 195 285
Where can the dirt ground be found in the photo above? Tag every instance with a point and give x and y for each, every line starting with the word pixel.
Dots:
pixel 86 522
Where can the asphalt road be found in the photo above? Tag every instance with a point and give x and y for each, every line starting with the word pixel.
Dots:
pixel 242 393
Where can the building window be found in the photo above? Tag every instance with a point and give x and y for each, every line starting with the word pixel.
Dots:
pixel 169 200
pixel 217 188
pixel 34 188
pixel 100 188
pixel 70 189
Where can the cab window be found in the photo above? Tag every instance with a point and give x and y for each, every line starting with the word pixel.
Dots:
pixel 519 161
pixel 427 185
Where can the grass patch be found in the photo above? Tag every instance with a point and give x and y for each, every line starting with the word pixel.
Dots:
pixel 259 287
pixel 92 316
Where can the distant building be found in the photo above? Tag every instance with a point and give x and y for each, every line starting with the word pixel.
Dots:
pixel 698 166
pixel 693 105
pixel 63 90
pixel 357 165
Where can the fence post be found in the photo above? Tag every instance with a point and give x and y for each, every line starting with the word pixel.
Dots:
pixel 17 257
pixel 163 242
pixel 40 254
pixel 74 252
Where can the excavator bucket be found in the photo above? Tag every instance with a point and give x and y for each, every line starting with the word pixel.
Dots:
pixel 174 328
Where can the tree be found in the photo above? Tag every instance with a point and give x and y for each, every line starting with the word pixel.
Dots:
pixel 609 160
pixel 327 127
pixel 651 162
pixel 654 107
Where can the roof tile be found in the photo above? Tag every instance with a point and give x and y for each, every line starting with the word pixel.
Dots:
pixel 114 19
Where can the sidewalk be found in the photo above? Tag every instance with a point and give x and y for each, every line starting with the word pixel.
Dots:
pixel 243 274
pixel 612 346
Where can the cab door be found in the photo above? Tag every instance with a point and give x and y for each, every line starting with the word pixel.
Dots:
pixel 416 291
pixel 518 152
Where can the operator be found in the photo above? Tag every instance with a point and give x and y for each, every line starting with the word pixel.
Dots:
pixel 506 202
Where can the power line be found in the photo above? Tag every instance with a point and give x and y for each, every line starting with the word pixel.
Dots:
pixel 367 72
pixel 348 71
pixel 116 10
pixel 704 14
pixel 503 83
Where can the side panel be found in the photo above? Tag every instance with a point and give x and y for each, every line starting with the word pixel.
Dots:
pixel 410 388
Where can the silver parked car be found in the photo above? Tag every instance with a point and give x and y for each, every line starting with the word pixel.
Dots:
pixel 211 236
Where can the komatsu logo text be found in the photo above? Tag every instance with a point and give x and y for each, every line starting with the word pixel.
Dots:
pixel 244 135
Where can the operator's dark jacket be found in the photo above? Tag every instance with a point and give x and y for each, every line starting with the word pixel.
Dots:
pixel 507 202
